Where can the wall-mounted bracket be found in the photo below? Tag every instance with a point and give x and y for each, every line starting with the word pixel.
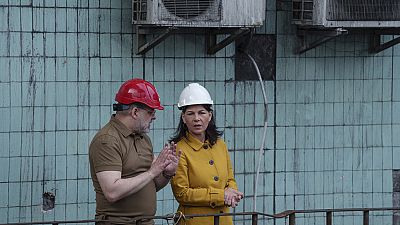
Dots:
pixel 323 36
pixel 143 46
pixel 161 33
pixel 375 45
pixel 213 47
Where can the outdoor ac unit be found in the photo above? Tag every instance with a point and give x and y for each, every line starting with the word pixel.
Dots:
pixel 347 13
pixel 199 13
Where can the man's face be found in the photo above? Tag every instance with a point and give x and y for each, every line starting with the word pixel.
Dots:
pixel 147 115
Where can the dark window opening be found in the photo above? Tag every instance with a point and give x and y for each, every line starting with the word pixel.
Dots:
pixel 263 49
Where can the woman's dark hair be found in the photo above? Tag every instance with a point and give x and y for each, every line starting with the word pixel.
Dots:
pixel 212 134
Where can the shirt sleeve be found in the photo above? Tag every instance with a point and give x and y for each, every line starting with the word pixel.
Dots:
pixel 105 154
pixel 193 196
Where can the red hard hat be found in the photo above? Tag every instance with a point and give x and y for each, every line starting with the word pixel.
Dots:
pixel 138 90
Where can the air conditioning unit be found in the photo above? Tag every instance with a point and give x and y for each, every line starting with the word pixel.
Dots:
pixel 199 13
pixel 347 13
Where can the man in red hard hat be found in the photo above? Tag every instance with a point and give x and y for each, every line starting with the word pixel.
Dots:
pixel 125 173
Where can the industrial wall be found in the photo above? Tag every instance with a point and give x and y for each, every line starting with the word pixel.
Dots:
pixel 333 117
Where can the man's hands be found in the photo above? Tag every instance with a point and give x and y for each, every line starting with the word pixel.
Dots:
pixel 232 197
pixel 170 169
pixel 160 162
pixel 116 188
pixel 166 162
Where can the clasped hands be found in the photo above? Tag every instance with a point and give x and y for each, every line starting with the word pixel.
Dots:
pixel 232 197
pixel 167 161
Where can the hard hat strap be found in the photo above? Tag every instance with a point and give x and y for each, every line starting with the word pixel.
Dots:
pixel 120 107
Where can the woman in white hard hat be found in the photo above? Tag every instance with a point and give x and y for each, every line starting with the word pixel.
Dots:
pixel 204 181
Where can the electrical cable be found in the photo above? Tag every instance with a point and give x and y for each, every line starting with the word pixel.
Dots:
pixel 261 151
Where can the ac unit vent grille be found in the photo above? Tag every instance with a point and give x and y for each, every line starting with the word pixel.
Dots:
pixel 363 10
pixel 191 10
pixel 302 10
pixel 139 10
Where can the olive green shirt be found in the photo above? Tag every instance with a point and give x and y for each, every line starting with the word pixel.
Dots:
pixel 116 148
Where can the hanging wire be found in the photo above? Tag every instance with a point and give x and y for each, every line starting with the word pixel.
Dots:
pixel 261 151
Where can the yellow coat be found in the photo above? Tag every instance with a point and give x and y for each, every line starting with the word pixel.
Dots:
pixel 201 177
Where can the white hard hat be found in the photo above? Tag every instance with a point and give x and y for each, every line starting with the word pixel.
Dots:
pixel 194 94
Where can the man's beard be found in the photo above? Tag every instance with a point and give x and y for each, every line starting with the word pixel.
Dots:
pixel 144 127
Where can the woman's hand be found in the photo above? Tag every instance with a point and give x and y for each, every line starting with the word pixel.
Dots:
pixel 232 197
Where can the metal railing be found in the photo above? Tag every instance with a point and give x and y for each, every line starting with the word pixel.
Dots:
pixel 291 214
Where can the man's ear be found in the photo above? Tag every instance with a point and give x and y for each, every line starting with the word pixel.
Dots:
pixel 134 112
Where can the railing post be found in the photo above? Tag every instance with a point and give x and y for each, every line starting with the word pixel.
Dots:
pixel 216 220
pixel 328 218
pixel 366 218
pixel 292 219
pixel 254 219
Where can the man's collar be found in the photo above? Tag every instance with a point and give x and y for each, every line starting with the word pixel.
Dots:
pixel 122 128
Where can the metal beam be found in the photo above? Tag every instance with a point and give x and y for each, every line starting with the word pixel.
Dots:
pixel 326 36
pixel 375 45
pixel 212 45
pixel 254 219
pixel 366 218
pixel 308 46
pixel 292 219
pixel 329 218
pixel 216 220
pixel 328 33
pixel 144 47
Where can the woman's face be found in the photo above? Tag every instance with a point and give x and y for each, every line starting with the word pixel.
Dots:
pixel 196 118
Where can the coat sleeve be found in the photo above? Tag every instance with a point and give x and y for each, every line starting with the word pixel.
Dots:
pixel 188 196
pixel 231 183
